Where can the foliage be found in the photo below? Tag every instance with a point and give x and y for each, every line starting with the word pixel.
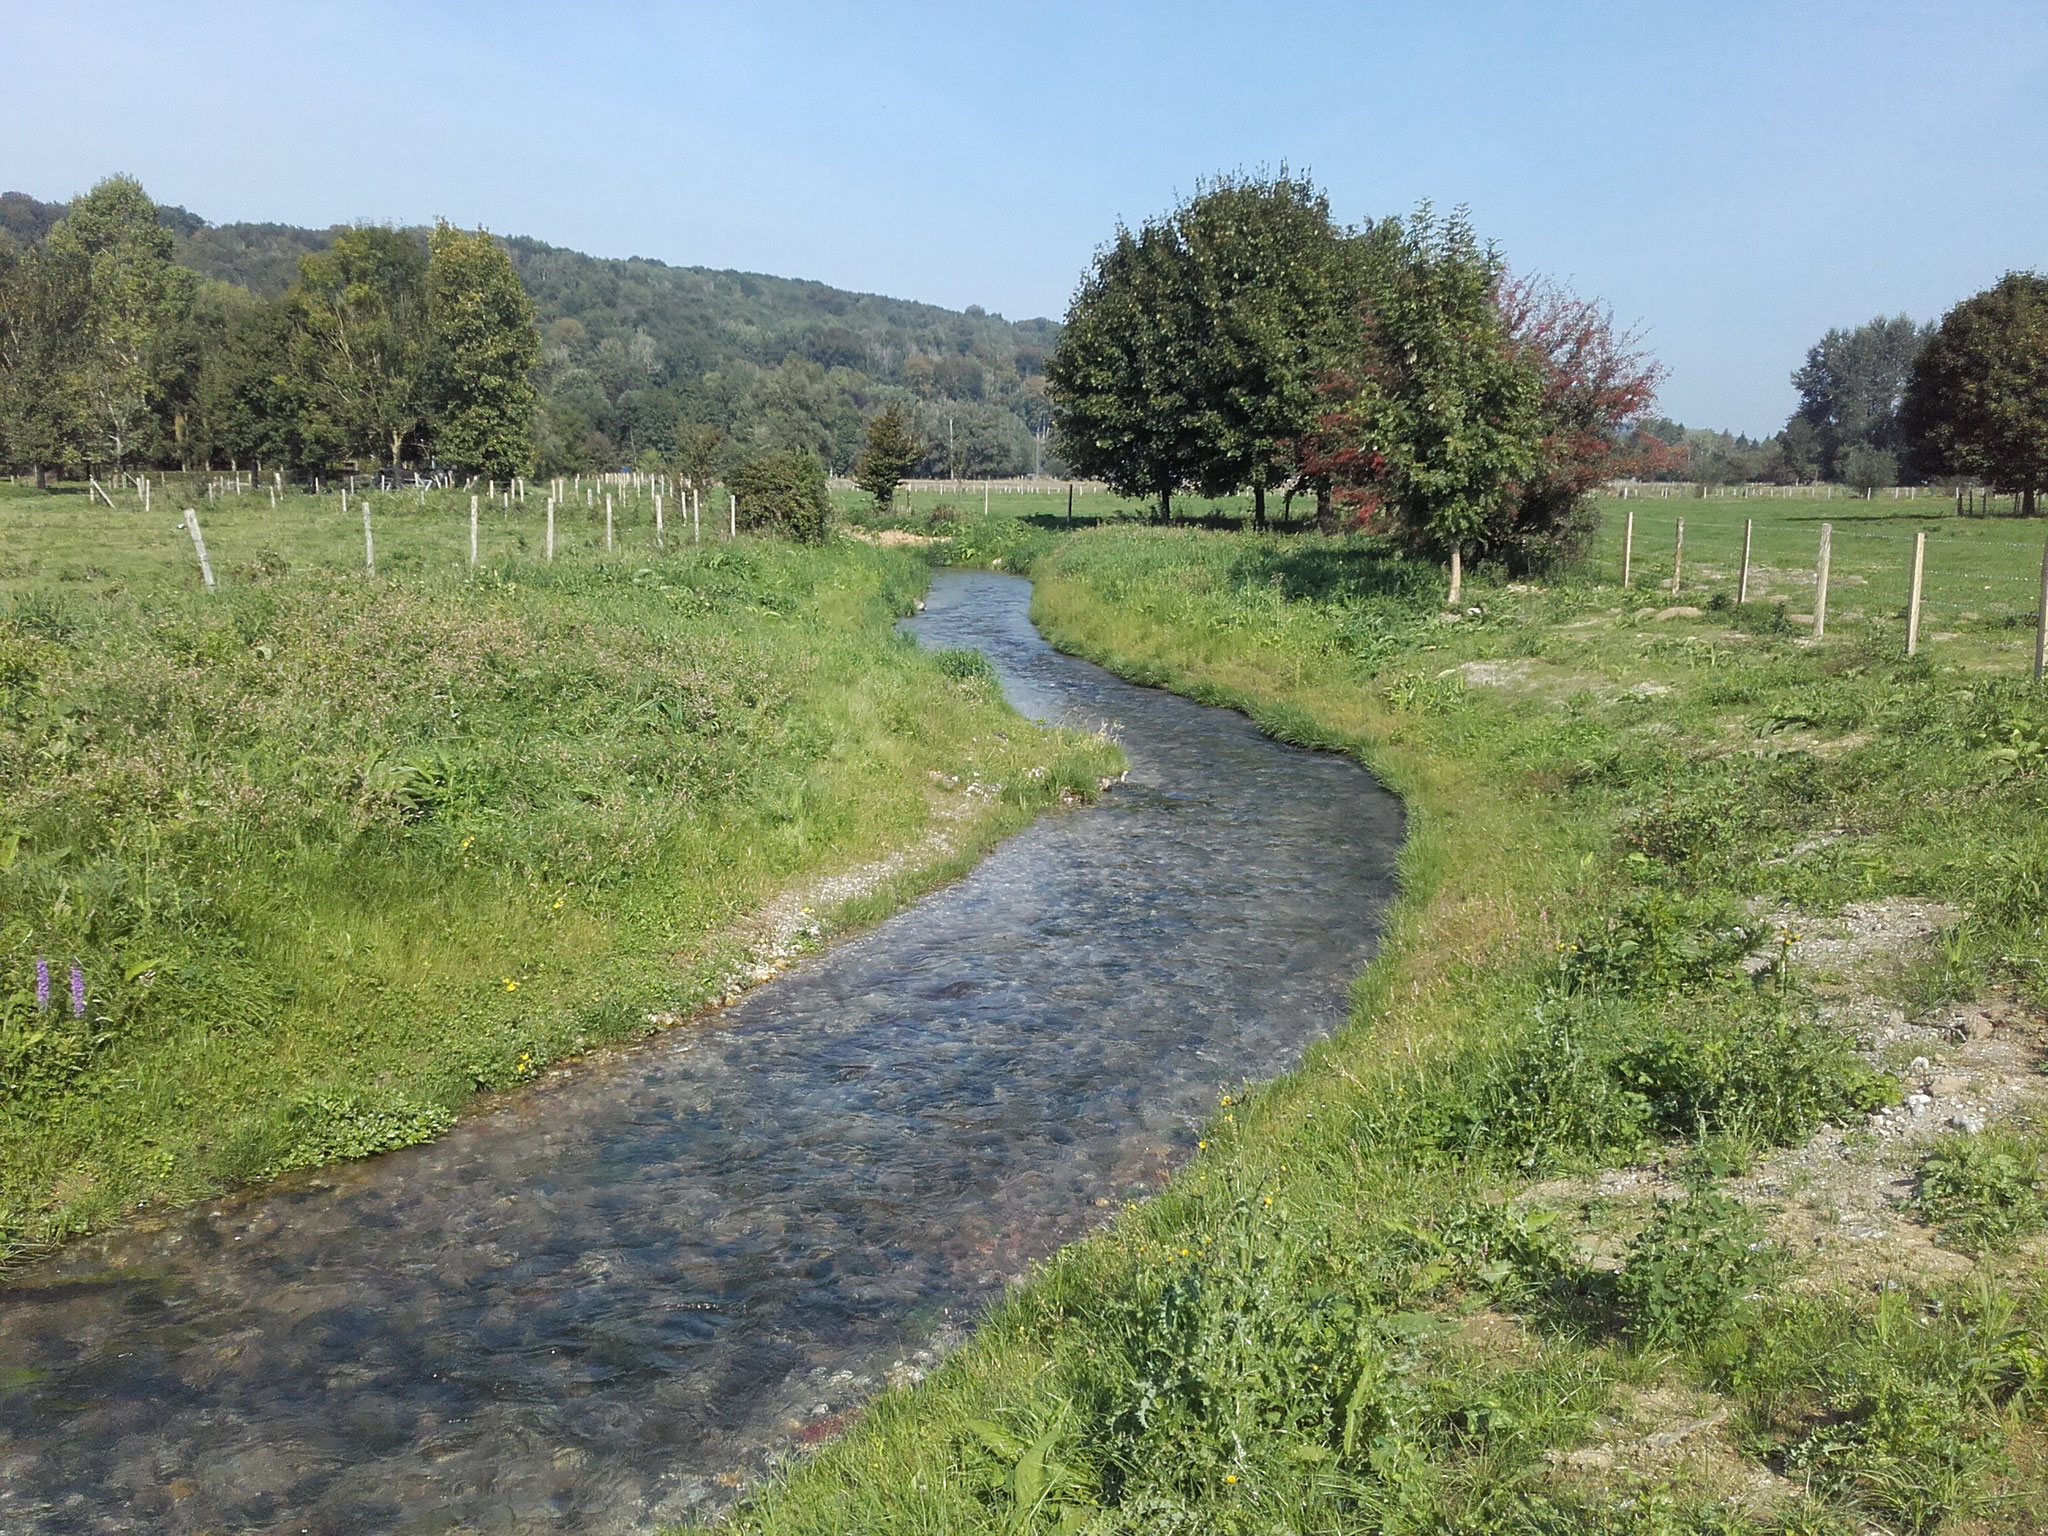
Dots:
pixel 360 343
pixel 1982 1190
pixel 891 452
pixel 1977 402
pixel 1689 1267
pixel 1435 426
pixel 1850 389
pixel 482 349
pixel 782 489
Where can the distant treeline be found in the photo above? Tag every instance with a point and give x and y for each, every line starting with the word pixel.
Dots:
pixel 636 362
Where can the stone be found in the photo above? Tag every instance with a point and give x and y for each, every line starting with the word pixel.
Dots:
pixel 1970 1124
pixel 1918 1103
pixel 1681 611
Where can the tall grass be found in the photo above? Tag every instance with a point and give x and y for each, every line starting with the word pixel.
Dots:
pixel 330 855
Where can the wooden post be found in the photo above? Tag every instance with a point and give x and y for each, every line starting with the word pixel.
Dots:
pixel 732 514
pixel 1913 594
pixel 369 544
pixel 199 547
pixel 551 529
pixel 1820 582
pixel 984 499
pixel 472 530
pixel 1742 587
pixel 696 516
pixel 660 538
pixel 2041 621
pixel 1678 561
pixel 1457 575
pixel 1628 549
pixel 1070 503
pixel 607 520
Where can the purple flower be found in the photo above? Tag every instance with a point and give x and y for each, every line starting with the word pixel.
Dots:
pixel 42 985
pixel 77 991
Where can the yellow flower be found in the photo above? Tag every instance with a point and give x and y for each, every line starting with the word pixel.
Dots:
pixel 467 841
pixel 1230 1477
pixel 558 903
pixel 1201 1146
pixel 511 985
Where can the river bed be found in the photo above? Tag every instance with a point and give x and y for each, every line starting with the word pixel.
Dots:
pixel 603 1302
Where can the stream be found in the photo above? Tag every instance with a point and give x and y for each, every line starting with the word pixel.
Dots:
pixel 600 1303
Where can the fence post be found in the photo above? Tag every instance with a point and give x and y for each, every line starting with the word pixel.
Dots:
pixel 2041 620
pixel 551 530
pixel 732 516
pixel 1678 561
pixel 472 530
pixel 199 546
pixel 607 520
pixel 1457 575
pixel 696 516
pixel 1913 597
pixel 369 544
pixel 1628 549
pixel 1820 582
pixel 1742 587
pixel 660 535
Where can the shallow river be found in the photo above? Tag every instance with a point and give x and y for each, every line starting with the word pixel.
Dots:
pixel 596 1305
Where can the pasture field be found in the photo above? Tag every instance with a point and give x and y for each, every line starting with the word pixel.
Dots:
pixel 329 855
pixel 1679 1167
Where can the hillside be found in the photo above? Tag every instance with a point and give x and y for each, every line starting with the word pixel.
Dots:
pixel 637 349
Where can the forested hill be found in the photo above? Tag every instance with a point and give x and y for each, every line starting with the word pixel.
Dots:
pixel 637 352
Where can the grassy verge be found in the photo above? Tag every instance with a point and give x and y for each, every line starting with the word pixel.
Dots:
pixel 331 855
pixel 1535 1243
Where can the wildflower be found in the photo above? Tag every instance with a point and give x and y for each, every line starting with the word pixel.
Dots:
pixel 1201 1146
pixel 511 985
pixel 558 903
pixel 77 991
pixel 42 985
pixel 1230 1477
pixel 466 842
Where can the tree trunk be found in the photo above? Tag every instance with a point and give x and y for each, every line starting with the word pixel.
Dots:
pixel 1166 504
pixel 42 477
pixel 2029 508
pixel 1259 508
pixel 1325 519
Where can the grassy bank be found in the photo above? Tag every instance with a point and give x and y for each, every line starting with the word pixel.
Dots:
pixel 330 855
pixel 1608 1209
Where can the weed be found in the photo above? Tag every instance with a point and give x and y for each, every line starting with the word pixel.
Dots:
pixel 1689 1267
pixel 1982 1190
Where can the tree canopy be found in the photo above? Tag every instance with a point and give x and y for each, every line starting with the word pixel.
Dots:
pixel 1977 401
pixel 891 452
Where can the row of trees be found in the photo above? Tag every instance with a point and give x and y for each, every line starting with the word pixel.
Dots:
pixel 1894 402
pixel 1393 371
pixel 389 349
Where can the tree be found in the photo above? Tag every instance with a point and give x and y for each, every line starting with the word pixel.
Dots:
pixel 891 452
pixel 1850 388
pixel 782 490
pixel 1437 425
pixel 136 301
pixel 1977 401
pixel 247 404
pixel 43 298
pixel 482 350
pixel 361 341
pixel 698 453
pixel 1596 385
pixel 1121 378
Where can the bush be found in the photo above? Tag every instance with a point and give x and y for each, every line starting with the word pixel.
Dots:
pixel 1982 1191
pixel 782 490
pixel 1688 1268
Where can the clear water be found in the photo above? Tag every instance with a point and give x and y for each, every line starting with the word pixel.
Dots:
pixel 596 1305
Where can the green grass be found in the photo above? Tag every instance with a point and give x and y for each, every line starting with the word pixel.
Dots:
pixel 334 854
pixel 1366 1306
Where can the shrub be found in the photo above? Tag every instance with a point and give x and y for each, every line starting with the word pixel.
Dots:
pixel 1688 1268
pixel 1983 1191
pixel 782 490
pixel 1657 944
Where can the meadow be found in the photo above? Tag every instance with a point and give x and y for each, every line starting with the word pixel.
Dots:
pixel 1678 1169
pixel 291 870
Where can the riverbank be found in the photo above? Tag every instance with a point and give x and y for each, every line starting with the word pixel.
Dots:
pixel 1675 1171
pixel 330 856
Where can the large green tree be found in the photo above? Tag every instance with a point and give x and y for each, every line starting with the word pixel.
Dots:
pixel 136 301
pixel 1275 291
pixel 891 451
pixel 782 490
pixel 1438 424
pixel 43 299
pixel 1850 389
pixel 483 348
pixel 360 351
pixel 1977 401
pixel 1123 377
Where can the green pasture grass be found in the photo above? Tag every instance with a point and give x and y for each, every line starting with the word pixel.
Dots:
pixel 1372 1301
pixel 334 854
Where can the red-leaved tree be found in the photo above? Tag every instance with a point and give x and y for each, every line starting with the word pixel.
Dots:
pixel 1597 382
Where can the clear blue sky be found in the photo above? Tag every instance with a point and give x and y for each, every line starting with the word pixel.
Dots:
pixel 1733 177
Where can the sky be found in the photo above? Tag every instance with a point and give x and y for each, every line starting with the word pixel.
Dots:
pixel 1732 178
